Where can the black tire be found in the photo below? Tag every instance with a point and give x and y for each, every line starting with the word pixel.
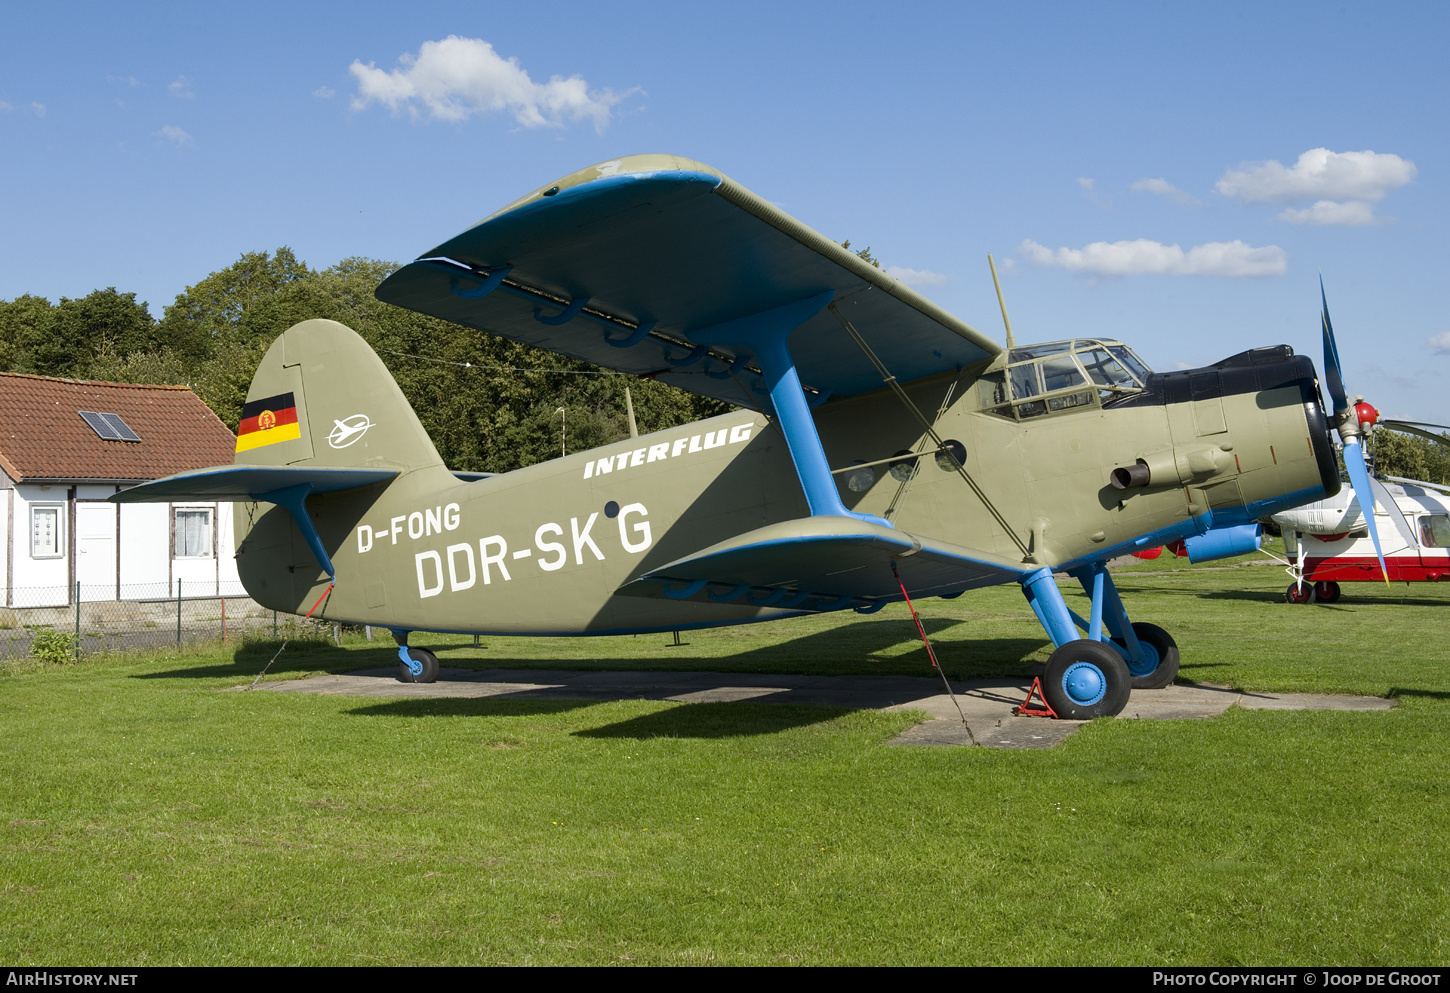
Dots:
pixel 427 660
pixel 1086 679
pixel 1159 667
pixel 1300 594
pixel 1326 591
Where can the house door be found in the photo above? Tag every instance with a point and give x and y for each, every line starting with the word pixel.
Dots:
pixel 96 550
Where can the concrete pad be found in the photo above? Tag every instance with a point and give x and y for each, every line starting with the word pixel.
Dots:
pixel 986 705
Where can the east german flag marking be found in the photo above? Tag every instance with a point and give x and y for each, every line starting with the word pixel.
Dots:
pixel 265 422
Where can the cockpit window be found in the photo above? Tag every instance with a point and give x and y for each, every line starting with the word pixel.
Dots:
pixel 1059 375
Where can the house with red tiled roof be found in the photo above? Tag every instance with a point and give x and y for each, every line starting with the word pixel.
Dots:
pixel 65 446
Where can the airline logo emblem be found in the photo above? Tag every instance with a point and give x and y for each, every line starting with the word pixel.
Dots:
pixel 348 430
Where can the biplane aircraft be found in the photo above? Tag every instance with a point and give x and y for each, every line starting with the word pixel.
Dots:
pixel 881 447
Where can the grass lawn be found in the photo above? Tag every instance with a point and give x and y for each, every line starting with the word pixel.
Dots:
pixel 146 818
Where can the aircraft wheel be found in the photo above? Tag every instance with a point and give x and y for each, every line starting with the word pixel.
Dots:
pixel 1086 679
pixel 1326 592
pixel 427 659
pixel 1300 594
pixel 1159 665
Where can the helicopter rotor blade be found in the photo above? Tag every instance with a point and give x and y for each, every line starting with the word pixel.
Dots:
pixel 1416 428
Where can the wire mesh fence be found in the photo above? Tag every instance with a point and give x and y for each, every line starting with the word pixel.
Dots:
pixel 143 616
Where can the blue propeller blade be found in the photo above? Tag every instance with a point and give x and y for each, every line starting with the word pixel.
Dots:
pixel 1332 377
pixel 1359 479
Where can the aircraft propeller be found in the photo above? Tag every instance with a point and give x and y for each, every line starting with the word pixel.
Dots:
pixel 1352 421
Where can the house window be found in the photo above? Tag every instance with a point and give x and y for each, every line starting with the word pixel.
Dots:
pixel 45 536
pixel 193 534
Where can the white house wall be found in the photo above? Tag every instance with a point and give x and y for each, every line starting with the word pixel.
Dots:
pixel 141 539
pixel 39 582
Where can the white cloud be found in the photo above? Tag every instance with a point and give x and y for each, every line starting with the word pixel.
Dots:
pixel 5 108
pixel 915 277
pixel 181 87
pixel 1133 258
pixel 1161 187
pixel 176 136
pixel 1355 213
pixel 457 77
pixel 1439 344
pixel 324 92
pixel 38 109
pixel 131 81
pixel 1318 175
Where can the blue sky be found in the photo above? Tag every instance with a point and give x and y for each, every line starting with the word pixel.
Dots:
pixel 1171 175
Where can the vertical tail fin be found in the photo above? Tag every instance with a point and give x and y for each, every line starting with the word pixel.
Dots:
pixel 323 397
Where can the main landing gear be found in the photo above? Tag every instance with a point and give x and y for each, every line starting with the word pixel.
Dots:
pixel 1092 676
pixel 1324 591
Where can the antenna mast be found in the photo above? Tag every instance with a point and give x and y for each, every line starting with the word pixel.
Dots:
pixel 1011 342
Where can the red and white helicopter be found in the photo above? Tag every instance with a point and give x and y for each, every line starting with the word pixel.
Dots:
pixel 1330 541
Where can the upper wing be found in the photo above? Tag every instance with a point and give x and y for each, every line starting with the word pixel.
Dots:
pixel 617 263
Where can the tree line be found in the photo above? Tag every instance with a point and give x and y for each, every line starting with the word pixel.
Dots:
pixel 482 420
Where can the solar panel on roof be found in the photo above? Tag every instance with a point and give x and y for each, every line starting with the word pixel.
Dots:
pixel 109 426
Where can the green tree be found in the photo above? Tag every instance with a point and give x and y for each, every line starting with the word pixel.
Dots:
pixel 864 254
pixel 24 322
pixel 213 311
pixel 103 321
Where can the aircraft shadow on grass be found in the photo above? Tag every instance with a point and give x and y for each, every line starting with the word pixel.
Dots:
pixel 1396 692
pixel 690 720
pixel 849 650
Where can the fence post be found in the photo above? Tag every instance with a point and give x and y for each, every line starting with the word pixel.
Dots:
pixel 274 625
pixel 178 612
pixel 224 618
pixel 78 619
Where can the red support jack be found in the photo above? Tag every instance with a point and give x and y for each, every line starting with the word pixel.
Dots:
pixel 1029 709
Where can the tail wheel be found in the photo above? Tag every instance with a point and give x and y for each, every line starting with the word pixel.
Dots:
pixel 1159 665
pixel 1326 592
pixel 427 660
pixel 1086 679
pixel 1300 593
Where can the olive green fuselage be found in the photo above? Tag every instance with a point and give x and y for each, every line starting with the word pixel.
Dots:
pixel 544 549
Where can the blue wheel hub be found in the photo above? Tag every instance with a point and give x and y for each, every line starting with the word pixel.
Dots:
pixel 1084 683
pixel 1147 663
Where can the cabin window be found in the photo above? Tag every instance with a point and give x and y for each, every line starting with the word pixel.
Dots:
pixel 1062 375
pixel 45 532
pixel 1435 531
pixel 193 534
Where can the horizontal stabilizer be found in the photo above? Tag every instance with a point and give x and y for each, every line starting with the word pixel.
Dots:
pixel 822 563
pixel 249 482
